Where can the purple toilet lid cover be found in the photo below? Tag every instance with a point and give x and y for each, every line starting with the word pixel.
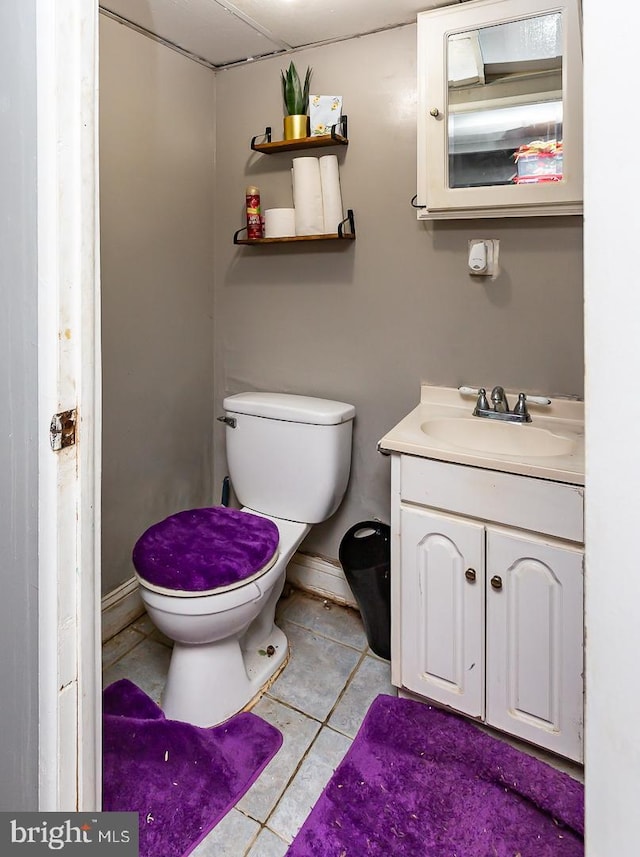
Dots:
pixel 204 549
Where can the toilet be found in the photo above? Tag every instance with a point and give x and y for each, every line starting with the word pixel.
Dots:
pixel 210 578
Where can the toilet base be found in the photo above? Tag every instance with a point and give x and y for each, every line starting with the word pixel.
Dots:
pixel 208 683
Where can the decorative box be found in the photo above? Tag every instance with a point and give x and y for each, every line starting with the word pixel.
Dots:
pixel 539 162
pixel 324 111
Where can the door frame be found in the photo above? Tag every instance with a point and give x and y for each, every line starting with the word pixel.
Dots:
pixel 68 378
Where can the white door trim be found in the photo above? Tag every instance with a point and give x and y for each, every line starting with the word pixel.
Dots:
pixel 68 377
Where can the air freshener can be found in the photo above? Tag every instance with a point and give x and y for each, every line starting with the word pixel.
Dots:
pixel 254 219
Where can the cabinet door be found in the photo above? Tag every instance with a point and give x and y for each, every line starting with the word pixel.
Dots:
pixel 535 640
pixel 442 609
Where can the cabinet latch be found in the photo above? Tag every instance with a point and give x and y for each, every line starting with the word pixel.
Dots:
pixel 62 431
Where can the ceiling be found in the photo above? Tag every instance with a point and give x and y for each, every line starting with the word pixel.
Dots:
pixel 220 32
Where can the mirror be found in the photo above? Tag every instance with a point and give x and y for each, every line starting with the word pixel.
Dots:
pixel 505 103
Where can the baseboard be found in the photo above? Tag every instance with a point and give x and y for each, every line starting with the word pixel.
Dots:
pixel 320 577
pixel 120 608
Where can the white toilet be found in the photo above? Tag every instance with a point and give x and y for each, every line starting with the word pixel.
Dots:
pixel 210 578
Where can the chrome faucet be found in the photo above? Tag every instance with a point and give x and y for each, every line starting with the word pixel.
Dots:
pixel 499 401
pixel 498 409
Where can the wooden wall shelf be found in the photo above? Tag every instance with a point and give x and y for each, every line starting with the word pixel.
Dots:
pixel 270 147
pixel 340 235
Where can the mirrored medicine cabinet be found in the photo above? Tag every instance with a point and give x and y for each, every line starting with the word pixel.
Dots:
pixel 500 109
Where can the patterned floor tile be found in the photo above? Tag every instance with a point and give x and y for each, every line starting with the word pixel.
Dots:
pixel 314 773
pixel 233 836
pixel 372 677
pixel 342 624
pixel 268 845
pixel 146 665
pixel 298 732
pixel 316 674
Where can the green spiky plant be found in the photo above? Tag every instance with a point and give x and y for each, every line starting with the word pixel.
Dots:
pixel 294 94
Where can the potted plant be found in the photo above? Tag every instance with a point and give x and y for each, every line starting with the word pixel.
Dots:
pixel 296 102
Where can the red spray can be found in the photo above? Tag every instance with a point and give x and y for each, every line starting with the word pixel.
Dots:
pixel 254 219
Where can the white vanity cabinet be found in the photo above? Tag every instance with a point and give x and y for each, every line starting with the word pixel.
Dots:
pixel 499 109
pixel 487 597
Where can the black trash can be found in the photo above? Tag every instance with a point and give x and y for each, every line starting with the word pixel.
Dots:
pixel 365 556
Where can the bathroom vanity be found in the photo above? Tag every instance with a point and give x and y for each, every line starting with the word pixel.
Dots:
pixel 487 565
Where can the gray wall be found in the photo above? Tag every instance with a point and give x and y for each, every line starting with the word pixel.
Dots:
pixel 18 394
pixel 157 190
pixel 370 321
pixel 366 322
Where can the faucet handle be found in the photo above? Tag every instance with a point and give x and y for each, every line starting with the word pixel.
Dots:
pixel 538 400
pixel 520 407
pixel 481 404
pixel 468 391
pixel 479 392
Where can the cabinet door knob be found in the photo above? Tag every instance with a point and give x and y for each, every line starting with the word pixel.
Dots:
pixel 496 581
pixel 470 574
pixel 434 112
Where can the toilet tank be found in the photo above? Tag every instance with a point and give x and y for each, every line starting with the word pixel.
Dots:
pixel 289 456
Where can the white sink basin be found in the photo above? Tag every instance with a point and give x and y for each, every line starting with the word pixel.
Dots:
pixel 487 435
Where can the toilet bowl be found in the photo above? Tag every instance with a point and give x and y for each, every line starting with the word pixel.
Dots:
pixel 211 578
pixel 226 644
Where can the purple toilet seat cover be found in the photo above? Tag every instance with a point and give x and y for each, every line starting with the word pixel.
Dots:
pixel 204 549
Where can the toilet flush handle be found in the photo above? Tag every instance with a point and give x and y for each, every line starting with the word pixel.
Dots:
pixel 229 421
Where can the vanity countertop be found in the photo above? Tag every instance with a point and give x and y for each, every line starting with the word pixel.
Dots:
pixel 561 421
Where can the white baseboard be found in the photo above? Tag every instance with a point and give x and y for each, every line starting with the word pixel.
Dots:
pixel 320 577
pixel 120 608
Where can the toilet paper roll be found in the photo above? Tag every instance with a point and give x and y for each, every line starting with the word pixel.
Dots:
pixel 279 222
pixel 331 194
pixel 307 196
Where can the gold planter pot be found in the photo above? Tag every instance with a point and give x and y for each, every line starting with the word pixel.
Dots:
pixel 295 127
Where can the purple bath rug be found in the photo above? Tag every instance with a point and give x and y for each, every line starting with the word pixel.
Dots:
pixel 181 779
pixel 421 782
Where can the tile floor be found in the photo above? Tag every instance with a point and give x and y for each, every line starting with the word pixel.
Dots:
pixel 317 702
